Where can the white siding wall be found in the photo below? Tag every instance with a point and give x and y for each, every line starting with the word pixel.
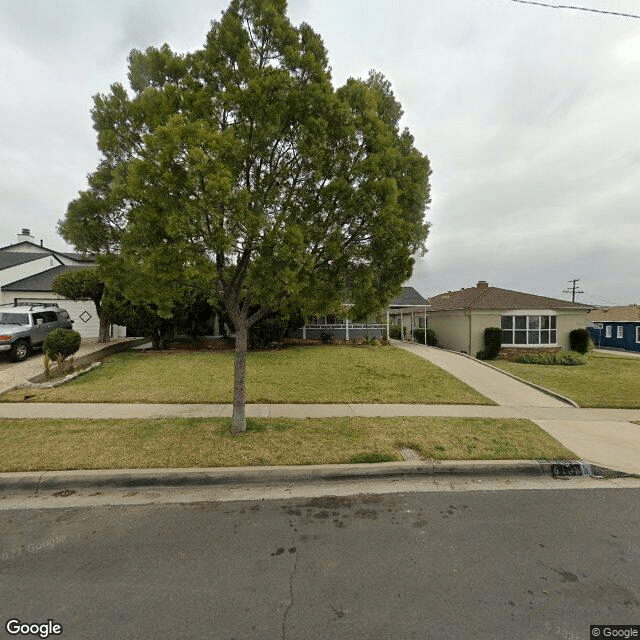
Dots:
pixel 11 274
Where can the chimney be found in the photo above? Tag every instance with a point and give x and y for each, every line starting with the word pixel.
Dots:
pixel 482 284
pixel 25 236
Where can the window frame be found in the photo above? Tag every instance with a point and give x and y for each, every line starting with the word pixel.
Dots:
pixel 608 331
pixel 530 333
pixel 619 332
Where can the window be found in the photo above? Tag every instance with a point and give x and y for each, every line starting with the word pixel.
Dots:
pixel 619 331
pixel 607 331
pixel 638 334
pixel 528 329
pixel 50 316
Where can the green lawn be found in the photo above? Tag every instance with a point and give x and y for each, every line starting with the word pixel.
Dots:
pixel 607 380
pixel 322 374
pixel 39 445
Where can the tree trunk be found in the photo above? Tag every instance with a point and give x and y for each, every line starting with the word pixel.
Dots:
pixel 105 325
pixel 239 419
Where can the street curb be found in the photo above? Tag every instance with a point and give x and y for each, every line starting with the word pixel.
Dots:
pixel 129 478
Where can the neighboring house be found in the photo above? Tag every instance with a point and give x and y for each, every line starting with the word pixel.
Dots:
pixel 615 327
pixel 528 322
pixel 408 308
pixel 27 272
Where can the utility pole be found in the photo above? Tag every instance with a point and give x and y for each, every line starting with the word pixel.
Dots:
pixel 573 289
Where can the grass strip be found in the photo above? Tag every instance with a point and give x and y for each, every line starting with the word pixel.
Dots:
pixel 52 445
pixel 606 381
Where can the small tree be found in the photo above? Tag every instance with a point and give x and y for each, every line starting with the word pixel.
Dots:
pixel 60 344
pixel 85 284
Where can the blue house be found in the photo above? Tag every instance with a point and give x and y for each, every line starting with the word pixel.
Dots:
pixel 615 327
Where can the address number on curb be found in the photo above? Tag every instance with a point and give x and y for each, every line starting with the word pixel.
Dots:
pixel 566 469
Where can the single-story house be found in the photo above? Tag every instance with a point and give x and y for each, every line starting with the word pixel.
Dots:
pixel 407 308
pixel 528 322
pixel 615 327
pixel 27 272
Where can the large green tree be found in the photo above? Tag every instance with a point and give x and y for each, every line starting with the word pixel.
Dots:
pixel 239 170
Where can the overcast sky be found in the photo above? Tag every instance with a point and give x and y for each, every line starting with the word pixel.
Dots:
pixel 530 117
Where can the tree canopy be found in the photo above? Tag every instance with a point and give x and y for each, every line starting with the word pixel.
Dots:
pixel 238 170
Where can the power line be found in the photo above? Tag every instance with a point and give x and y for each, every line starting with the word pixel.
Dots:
pixel 577 8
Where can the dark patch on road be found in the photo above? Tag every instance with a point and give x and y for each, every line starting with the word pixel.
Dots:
pixel 278 552
pixel 64 493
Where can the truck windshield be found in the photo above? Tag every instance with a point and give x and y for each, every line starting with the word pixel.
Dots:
pixel 14 318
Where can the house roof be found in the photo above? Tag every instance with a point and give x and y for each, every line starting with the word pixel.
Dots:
pixel 8 259
pixel 630 313
pixel 482 296
pixel 79 257
pixel 42 281
pixel 409 297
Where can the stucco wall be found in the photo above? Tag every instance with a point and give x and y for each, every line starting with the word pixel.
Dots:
pixel 455 331
pixel 451 329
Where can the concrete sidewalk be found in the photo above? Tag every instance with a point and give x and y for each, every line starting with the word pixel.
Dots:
pixel 489 381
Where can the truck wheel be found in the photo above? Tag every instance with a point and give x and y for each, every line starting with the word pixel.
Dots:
pixel 19 351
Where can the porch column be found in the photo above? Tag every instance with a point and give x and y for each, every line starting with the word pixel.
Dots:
pixel 412 322
pixel 425 326
pixel 387 324
pixel 304 332
pixel 401 325
pixel 347 328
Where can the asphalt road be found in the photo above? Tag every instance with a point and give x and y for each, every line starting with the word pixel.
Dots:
pixel 467 564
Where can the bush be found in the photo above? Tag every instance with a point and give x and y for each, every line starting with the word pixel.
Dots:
pixel 579 340
pixel 61 343
pixel 269 329
pixel 492 342
pixel 565 358
pixel 395 331
pixel 418 336
pixel 327 337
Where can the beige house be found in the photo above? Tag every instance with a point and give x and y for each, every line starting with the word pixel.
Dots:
pixel 528 322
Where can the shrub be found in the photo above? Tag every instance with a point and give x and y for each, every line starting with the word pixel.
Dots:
pixel 269 329
pixel 395 331
pixel 579 340
pixel 327 337
pixel 481 355
pixel 492 342
pixel 419 335
pixel 61 343
pixel 565 358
